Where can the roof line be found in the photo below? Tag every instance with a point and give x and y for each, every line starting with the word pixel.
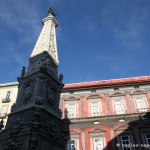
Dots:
pixel 108 82
pixel 9 84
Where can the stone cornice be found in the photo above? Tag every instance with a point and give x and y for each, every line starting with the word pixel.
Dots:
pixel 72 98
pixel 109 83
pixel 50 18
pixel 138 91
pixel 107 120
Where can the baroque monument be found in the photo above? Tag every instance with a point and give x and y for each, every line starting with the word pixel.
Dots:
pixel 35 120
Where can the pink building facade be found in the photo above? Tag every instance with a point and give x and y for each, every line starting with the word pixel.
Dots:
pixel 108 115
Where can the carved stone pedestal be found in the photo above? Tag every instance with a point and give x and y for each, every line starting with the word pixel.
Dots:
pixel 35 120
pixel 34 128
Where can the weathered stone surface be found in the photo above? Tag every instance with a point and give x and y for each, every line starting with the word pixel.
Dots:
pixel 35 120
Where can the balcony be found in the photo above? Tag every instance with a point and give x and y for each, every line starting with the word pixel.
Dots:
pixel 120 112
pixel 139 110
pixel 95 114
pixel 3 115
pixel 6 100
pixel 72 116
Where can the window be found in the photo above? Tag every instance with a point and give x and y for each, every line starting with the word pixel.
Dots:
pixel 98 139
pixel 98 144
pixel 8 95
pixel 3 112
pixel 72 110
pixel 147 137
pixel 7 98
pixel 94 104
pixel 140 102
pixel 72 144
pixel 125 142
pixel 119 105
pixel 94 108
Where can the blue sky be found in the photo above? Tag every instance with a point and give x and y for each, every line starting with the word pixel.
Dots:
pixel 97 39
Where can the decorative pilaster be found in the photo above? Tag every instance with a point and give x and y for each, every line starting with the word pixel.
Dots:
pixel 112 137
pixel 82 107
pixel 107 103
pixel 129 102
pixel 83 138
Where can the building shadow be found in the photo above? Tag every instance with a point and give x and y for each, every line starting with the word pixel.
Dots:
pixel 134 135
pixel 70 143
pixel 1 125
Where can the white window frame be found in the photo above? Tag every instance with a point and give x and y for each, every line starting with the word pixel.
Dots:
pixel 2 112
pixel 144 107
pixel 92 140
pixel 92 113
pixel 72 114
pixel 96 145
pixel 121 98
pixel 147 139
pixel 123 145
pixel 8 95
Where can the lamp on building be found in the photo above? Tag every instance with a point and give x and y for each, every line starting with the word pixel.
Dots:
pixel 121 120
pixel 96 122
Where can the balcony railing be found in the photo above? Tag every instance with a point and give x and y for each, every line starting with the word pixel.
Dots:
pixel 120 112
pixel 3 115
pixel 95 114
pixel 71 116
pixel 142 110
pixel 6 100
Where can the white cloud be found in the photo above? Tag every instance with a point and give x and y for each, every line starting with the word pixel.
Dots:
pixel 21 19
pixel 14 14
pixel 87 25
pixel 11 55
pixel 125 22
